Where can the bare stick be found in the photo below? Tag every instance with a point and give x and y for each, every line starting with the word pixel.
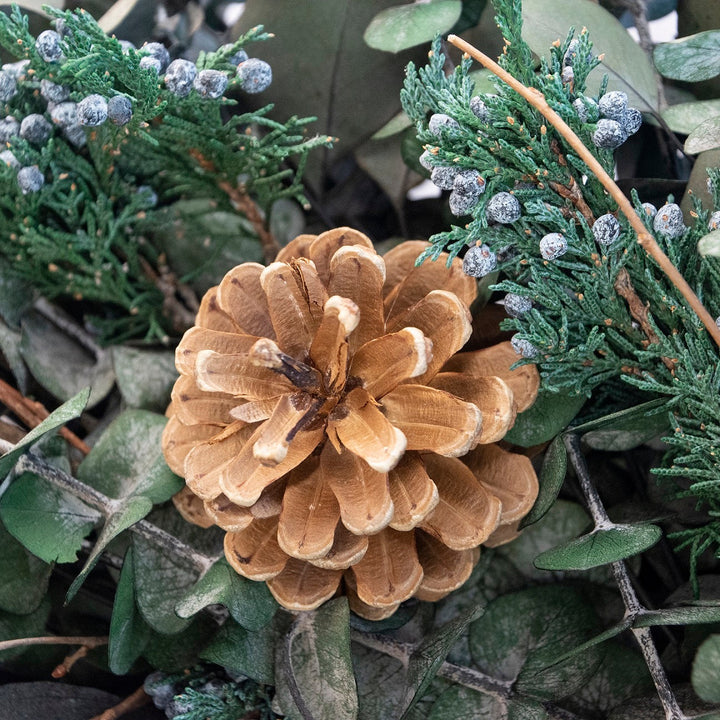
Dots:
pixel 89 642
pixel 132 702
pixel 645 240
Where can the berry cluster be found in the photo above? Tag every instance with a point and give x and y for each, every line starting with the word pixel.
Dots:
pixel 617 121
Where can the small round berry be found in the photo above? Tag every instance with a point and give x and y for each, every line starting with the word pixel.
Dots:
pixel 669 221
pixel 714 221
pixel 649 210
pixel 523 347
pixel 178 706
pixel 35 129
pixel 16 69
pixel 517 305
pixel 92 110
pixel 126 46
pixel 237 58
pixel 439 123
pixel 159 52
pixel 75 135
pixel 580 109
pixel 254 75
pixel 479 261
pixel 469 182
pixel 48 46
pixel 631 121
pixel 425 159
pixel 149 194
pixel 461 203
pixel 61 28
pixel 443 176
pixel 586 109
pixel 179 77
pixel 570 53
pixel 503 208
pixel 119 109
pixel 606 229
pixel 52 92
pixel 7 157
pixel 64 114
pixel 9 128
pixel 30 179
pixel 215 687
pixel 567 75
pixel 8 86
pixel 151 63
pixel 210 83
pixel 613 105
pixel 609 134
pixel 553 246
pixel 479 108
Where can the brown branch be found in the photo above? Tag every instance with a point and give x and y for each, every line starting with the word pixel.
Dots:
pixel 89 642
pixel 572 190
pixel 645 240
pixel 131 702
pixel 32 413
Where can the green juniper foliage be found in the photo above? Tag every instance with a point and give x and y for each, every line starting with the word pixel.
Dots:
pixel 101 152
pixel 588 305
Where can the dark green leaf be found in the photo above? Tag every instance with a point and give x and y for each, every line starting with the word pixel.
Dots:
pixel 630 417
pixel 239 649
pixel 706 670
pixel 380 684
pixel 627 433
pixel 66 412
pixel 14 626
pixel 692 58
pixel 461 702
pixel 175 653
pixel 410 150
pixel 608 634
pixel 48 521
pixel 404 26
pixel 687 615
pixel 470 15
pixel 126 513
pixel 552 477
pixel 705 136
pixel 685 117
pixel 541 422
pixel 128 459
pixel 24 577
pixel 144 377
pixel 250 603
pixel 600 547
pixel 10 348
pixel 129 633
pixel 521 708
pixel 287 220
pixel 16 297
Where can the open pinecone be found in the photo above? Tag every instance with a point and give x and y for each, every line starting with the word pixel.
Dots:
pixel 324 418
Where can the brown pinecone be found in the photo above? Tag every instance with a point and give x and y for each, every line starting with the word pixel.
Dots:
pixel 325 418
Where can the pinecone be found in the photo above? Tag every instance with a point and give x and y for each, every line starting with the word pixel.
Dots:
pixel 325 419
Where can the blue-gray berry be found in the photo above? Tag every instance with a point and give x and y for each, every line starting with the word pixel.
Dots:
pixel 64 114
pixel 469 182
pixel 461 203
pixel 669 221
pixel 254 75
pixel 444 176
pixel 236 58
pixel 613 105
pixel 503 208
pixel 7 157
pixel 606 229
pixel 523 347
pixel 179 77
pixel 479 108
pixel 48 46
pixel 159 52
pixel 440 122
pixel 714 221
pixel 126 46
pixel 30 179
pixel 35 129
pixel 479 261
pixel 8 86
pixel 150 195
pixel 553 246
pixel 151 63
pixel 586 109
pixel 119 109
pixel 75 135
pixel 215 687
pixel 9 128
pixel 52 92
pixel 61 28
pixel 16 69
pixel 425 159
pixel 631 121
pixel 92 110
pixel 609 134
pixel 210 83
pixel 567 75
pixel 570 53
pixel 649 210
pixel 517 305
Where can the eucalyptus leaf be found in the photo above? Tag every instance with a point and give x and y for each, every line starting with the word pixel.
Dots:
pixel 287 220
pixel 521 708
pixel 542 421
pixel 250 603
pixel 605 635
pixel 10 348
pixel 144 377
pixel 129 633
pixel 59 417
pixel 705 136
pixel 461 702
pixel 177 652
pixel 14 626
pixel 692 58
pixel 404 26
pixel 624 61
pixel 380 684
pixel 16 297
pixel 552 477
pixel 627 435
pixel 393 126
pixel 628 418
pixel 710 244
pixel 50 522
pixel 706 670
pixel 472 10
pixel 685 117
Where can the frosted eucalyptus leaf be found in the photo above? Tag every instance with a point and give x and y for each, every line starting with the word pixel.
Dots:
pixel 692 58
pixel 710 244
pixel 144 377
pixel 175 653
pixel 10 348
pixel 14 626
pixel 705 136
pixel 685 117
pixel 706 670
pixel 461 702
pixel 542 421
pixel 552 476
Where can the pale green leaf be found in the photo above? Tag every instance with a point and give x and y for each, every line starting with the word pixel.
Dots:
pixel 692 58
pixel 542 421
pixel 10 348
pixel 13 627
pixel 685 117
pixel 521 708
pixel 710 244
pixel 380 684
pixel 287 220
pixel 461 702
pixel 175 653
pixel 705 136
pixel 144 377
pixel 392 127
pixel 706 670
pixel 552 477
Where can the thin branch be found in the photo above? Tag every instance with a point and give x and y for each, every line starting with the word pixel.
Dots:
pixel 90 642
pixel 645 240
pixel 132 702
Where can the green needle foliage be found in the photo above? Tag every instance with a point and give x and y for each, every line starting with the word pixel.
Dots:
pixel 596 312
pixel 88 230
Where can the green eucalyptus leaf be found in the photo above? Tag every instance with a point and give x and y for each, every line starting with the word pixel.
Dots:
pixel 59 417
pixel 710 244
pixel 692 58
pixel 706 670
pixel 24 576
pixel 608 634
pixel 128 460
pixel 175 653
pixel 250 603
pixel 600 547
pixel 50 522
pixel 461 702
pixel 144 377
pixel 629 418
pixel 380 684
pixel 484 82
pixel 10 347
pixel 542 421
pixel 287 220
pixel 393 126
pixel 705 136
pixel 625 62
pixel 404 26
pixel 627 432
pixel 410 150
pixel 16 297
pixel 14 626
pixel 686 615
pixel 521 708
pixel 685 117
pixel 129 633
pixel 552 477
pixel 244 651
pixel 470 16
